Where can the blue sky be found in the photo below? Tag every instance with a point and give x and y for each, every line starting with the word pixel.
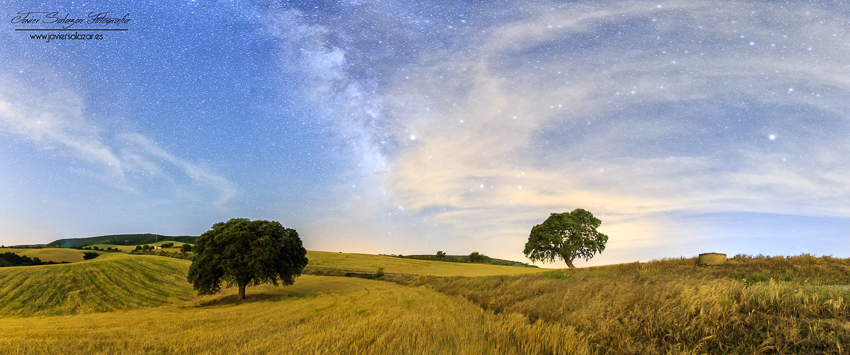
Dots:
pixel 399 127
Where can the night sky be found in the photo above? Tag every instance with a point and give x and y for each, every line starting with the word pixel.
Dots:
pixel 412 127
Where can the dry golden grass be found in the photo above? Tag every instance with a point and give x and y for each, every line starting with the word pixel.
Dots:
pixel 317 315
pixel 669 306
pixel 48 254
pixel 805 268
pixel 371 263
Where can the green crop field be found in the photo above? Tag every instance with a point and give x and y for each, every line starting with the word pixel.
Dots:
pixel 142 304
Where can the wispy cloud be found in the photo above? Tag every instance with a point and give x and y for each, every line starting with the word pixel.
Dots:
pixel 143 153
pixel 52 115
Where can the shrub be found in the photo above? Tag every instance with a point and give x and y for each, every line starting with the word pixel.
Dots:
pixel 441 255
pixel 380 272
pixel 90 255
pixel 758 276
pixel 476 257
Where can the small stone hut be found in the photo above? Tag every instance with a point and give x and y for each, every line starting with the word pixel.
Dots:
pixel 709 259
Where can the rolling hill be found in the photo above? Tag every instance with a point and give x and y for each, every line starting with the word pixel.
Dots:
pixel 118 281
pixel 110 282
pixel 141 304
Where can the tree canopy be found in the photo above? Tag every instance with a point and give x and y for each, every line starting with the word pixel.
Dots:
pixel 242 252
pixel 567 235
pixel 90 255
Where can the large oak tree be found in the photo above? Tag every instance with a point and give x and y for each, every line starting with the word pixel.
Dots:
pixel 567 236
pixel 242 252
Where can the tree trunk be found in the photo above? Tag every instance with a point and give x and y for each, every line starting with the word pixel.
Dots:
pixel 570 262
pixel 242 290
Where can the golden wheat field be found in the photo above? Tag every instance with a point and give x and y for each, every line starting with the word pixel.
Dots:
pixel 317 315
pixel 751 305
pixel 370 263
pixel 111 282
pixel 48 254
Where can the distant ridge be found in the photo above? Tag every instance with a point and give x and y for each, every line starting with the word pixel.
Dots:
pixel 119 239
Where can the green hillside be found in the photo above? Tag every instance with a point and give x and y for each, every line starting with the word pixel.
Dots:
pixel 119 239
pixel 108 283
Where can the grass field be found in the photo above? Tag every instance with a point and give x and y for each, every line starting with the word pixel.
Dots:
pixel 128 248
pixel 370 263
pixel 135 304
pixel 48 254
pixel 117 281
pixel 110 282
pixel 317 315
pixel 751 305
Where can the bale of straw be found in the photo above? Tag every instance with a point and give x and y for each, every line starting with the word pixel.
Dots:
pixel 707 259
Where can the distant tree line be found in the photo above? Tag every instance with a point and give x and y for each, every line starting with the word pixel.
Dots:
pixel 119 239
pixel 12 259
pixel 474 257
pixel 100 249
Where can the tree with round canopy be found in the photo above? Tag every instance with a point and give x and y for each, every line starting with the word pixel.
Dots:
pixel 567 235
pixel 242 252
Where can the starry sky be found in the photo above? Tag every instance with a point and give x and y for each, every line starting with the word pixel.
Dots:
pixel 411 127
